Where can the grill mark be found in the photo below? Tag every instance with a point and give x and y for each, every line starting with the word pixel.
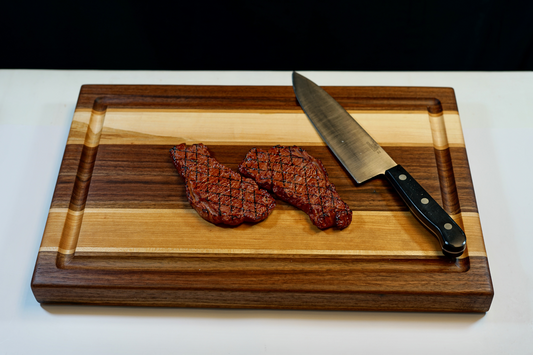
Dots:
pixel 236 216
pixel 307 185
pixel 255 206
pixel 270 169
pixel 281 166
pixel 312 170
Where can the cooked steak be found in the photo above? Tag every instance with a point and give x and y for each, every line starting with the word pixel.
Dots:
pixel 299 179
pixel 217 193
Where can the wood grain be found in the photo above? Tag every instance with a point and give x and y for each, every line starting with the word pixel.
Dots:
pixel 120 230
pixel 181 231
pixel 127 126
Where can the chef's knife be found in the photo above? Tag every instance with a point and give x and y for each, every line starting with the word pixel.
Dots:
pixel 365 159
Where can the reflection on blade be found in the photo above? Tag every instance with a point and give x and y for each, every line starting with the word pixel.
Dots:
pixel 355 149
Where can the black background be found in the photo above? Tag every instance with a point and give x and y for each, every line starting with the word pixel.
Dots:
pixel 268 35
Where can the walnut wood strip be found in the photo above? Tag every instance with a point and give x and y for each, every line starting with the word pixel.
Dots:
pixel 448 189
pixel 463 181
pixel 336 281
pixel 213 102
pixel 83 178
pixel 270 300
pixel 142 176
pixel 158 262
pixel 67 175
pixel 273 97
pixel 332 289
pixel 190 262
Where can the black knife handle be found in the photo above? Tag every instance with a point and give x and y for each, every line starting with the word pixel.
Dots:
pixel 451 237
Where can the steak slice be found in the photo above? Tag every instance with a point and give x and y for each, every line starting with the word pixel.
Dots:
pixel 218 194
pixel 299 179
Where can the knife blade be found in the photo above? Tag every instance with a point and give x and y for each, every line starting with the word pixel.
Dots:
pixel 364 159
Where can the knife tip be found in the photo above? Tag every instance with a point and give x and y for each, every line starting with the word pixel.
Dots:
pixel 295 76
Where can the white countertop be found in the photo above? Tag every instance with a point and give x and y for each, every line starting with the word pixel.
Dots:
pixel 36 108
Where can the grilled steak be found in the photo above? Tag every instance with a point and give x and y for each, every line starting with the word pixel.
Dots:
pixel 218 194
pixel 299 179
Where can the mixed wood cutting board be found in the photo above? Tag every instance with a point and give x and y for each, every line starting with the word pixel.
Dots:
pixel 120 230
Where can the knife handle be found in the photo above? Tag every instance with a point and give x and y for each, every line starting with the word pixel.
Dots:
pixel 451 237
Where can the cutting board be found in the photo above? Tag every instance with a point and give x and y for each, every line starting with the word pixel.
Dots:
pixel 120 230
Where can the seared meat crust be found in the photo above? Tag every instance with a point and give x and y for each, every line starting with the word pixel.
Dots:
pixel 299 179
pixel 218 194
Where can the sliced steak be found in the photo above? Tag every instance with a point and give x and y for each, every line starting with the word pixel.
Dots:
pixel 218 194
pixel 299 179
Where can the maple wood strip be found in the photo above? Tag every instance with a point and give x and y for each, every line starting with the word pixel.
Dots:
pixel 71 231
pixel 61 234
pixel 53 228
pixel 183 231
pixel 438 131
pixel 94 129
pixel 156 127
pixel 471 225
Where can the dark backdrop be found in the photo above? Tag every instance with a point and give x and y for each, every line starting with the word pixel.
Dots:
pixel 268 35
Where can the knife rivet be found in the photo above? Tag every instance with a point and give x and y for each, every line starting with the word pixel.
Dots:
pixel 448 226
pixel 402 177
pixel 425 201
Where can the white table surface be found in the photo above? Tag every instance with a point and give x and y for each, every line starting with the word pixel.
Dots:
pixel 496 110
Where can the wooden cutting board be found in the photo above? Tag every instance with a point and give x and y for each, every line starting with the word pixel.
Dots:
pixel 120 230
